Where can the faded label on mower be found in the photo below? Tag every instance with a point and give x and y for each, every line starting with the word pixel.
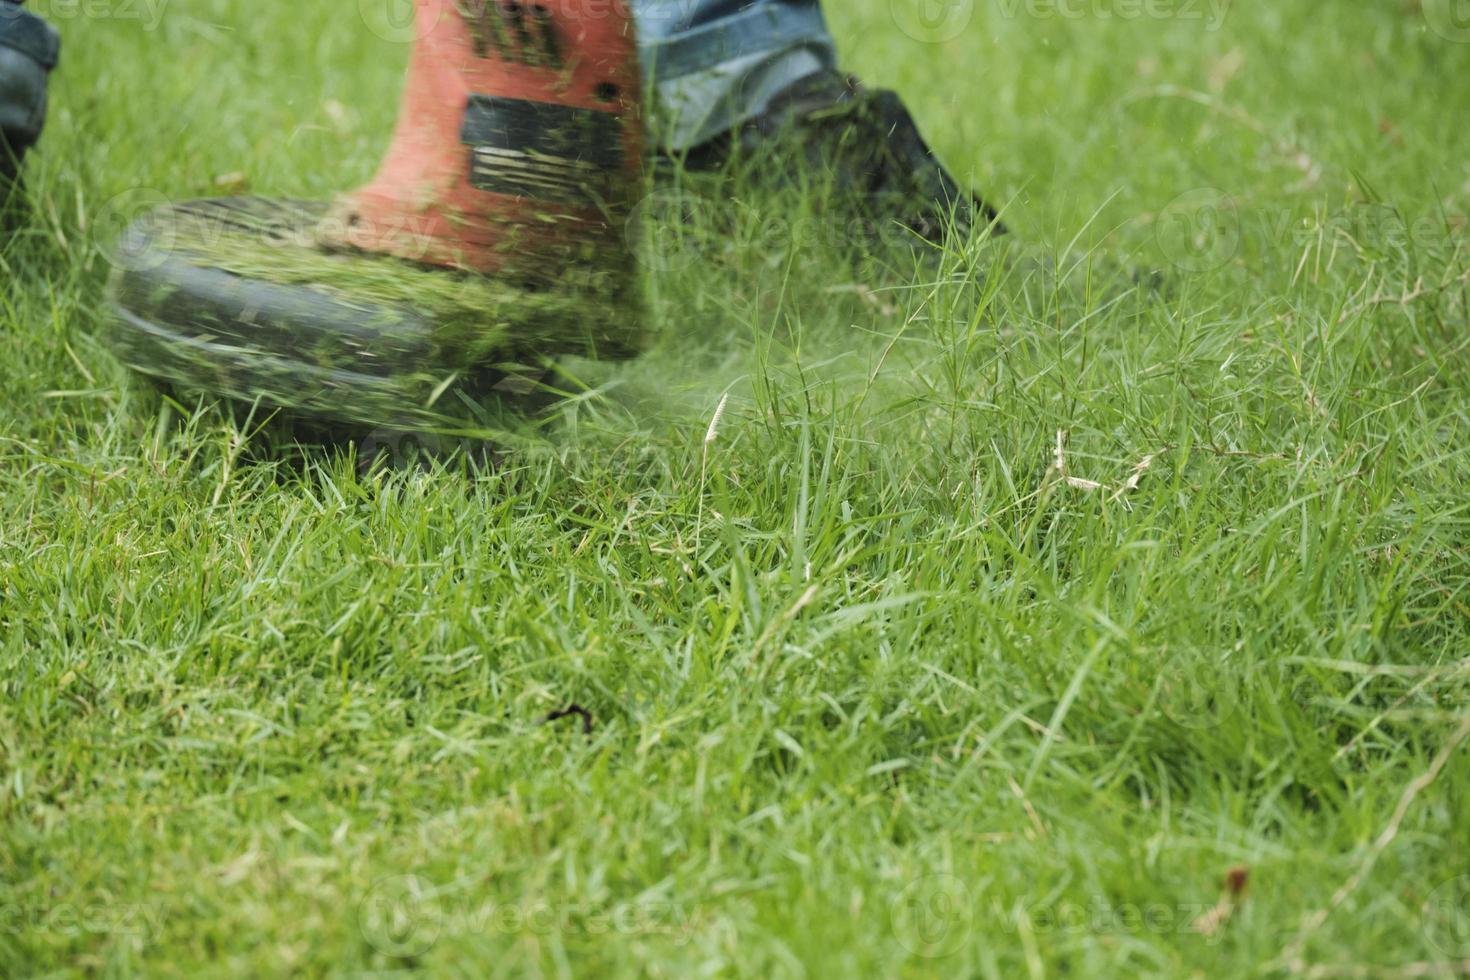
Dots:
pixel 542 150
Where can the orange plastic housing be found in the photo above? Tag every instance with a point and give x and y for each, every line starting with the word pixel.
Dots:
pixel 520 139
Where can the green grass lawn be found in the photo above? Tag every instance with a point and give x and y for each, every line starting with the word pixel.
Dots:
pixel 876 686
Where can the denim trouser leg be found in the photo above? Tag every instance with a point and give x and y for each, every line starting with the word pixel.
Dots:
pixel 712 64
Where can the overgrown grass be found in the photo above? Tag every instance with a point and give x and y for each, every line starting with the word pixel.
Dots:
pixel 1017 597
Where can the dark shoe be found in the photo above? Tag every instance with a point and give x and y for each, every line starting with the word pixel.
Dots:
pixel 29 48
pixel 864 144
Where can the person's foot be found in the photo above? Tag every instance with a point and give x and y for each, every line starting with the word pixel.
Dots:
pixel 864 144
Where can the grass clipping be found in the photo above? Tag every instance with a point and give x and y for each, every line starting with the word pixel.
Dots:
pixel 593 310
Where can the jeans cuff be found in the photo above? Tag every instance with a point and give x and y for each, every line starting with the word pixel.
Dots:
pixel 765 29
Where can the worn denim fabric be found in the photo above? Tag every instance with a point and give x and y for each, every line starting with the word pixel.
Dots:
pixel 713 64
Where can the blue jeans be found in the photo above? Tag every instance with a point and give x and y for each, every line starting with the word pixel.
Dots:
pixel 713 64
